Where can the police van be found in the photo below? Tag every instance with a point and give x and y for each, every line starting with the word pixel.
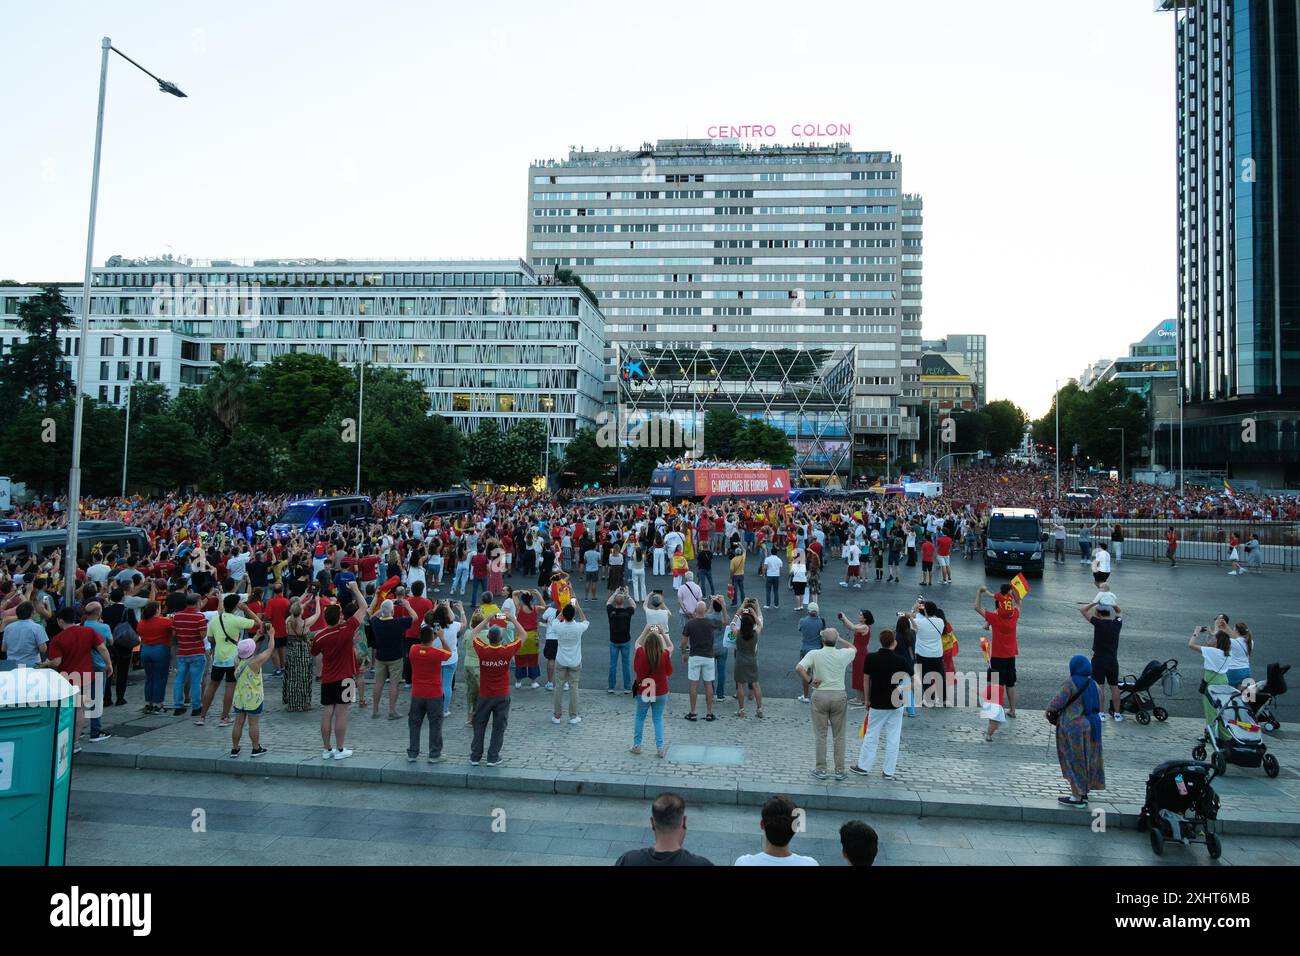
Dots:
pixel 439 504
pixel 92 536
pixel 1014 542
pixel 315 514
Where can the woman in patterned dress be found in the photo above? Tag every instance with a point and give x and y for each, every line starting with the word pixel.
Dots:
pixel 296 688
pixel 1078 733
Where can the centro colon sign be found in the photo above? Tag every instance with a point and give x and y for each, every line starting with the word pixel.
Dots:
pixel 768 130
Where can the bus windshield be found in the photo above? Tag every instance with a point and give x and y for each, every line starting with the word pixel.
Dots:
pixel 408 508
pixel 1013 529
pixel 298 514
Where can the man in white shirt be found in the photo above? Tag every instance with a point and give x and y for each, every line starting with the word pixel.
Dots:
pixel 929 652
pixel 672 541
pixel 780 820
pixel 772 565
pixel 1100 563
pixel 237 564
pixel 567 631
pixel 823 670
pixel 99 572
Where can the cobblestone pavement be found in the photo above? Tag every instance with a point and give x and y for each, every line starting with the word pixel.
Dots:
pixel 943 758
pixel 180 819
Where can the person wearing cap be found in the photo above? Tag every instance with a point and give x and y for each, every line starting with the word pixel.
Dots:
pixel 250 698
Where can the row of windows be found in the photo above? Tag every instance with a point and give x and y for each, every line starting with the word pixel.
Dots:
pixel 646 177
pixel 632 212
pixel 605 278
pixel 611 244
pixel 150 370
pixel 148 280
pixel 792 294
pixel 602 227
pixel 856 191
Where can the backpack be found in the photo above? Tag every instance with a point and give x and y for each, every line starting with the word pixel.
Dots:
pixel 124 636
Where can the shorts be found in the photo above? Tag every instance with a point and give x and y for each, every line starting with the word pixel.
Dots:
pixel 852 571
pixel 251 713
pixel 942 560
pixel 388 670
pixel 219 674
pixel 1005 668
pixel 701 668
pixel 1099 576
pixel 894 558
pixel 799 587
pixel 593 575
pixel 281 641
pixel 550 649
pixel 332 693
pixel 927 566
pixel 1105 670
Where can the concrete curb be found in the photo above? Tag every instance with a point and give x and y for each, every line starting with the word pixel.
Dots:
pixel 873 798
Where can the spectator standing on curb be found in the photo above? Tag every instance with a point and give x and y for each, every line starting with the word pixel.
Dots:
pixel 668 823
pixel 567 630
pixel 886 678
pixel 1104 667
pixel 697 655
pixel 337 646
pixel 861 642
pixel 823 669
pixel 780 820
pixel 810 628
pixel 250 695
pixel 494 690
pixel 620 609
pixel 427 691
pixel 1058 542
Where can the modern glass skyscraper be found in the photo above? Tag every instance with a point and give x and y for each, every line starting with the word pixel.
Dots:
pixel 1238 93
pixel 699 245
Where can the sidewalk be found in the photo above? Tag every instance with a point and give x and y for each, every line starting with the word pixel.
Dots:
pixel 945 767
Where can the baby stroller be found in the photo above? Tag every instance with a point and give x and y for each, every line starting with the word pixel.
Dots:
pixel 1135 692
pixel 1233 736
pixel 1263 700
pixel 1181 806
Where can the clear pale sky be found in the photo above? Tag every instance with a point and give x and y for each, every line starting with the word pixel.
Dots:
pixel 1040 132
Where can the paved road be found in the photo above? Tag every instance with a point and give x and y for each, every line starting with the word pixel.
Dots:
pixel 1161 605
pixel 151 817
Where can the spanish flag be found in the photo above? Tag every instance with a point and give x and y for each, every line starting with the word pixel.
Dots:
pixel 1020 585
pixel 1227 487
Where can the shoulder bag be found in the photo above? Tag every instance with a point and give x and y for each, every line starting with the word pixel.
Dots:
pixel 1054 716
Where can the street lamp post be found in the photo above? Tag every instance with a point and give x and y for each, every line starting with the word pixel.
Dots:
pixel 1122 457
pixel 1056 404
pixel 126 437
pixel 74 474
pixel 361 405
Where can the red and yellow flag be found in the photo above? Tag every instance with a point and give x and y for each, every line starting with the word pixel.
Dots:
pixel 1020 585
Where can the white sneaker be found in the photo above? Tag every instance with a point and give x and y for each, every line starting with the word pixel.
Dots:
pixel 536 685
pixel 555 720
pixel 575 720
pixel 518 684
pixel 327 754
pixel 566 685
pixel 1101 716
pixel 1119 718
pixel 802 699
pixel 343 754
pixel 550 685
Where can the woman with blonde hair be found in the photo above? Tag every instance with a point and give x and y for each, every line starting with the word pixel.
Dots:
pixel 295 691
pixel 652 663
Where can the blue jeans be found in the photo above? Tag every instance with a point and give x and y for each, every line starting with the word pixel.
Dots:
pixel 1237 676
pixel 477 587
pixel 705 576
pixel 720 670
pixel 189 668
pixel 1085 550
pixel 156 659
pixel 99 691
pixel 772 595
pixel 616 652
pixel 738 581
pixel 656 709
pixel 460 579
pixel 448 685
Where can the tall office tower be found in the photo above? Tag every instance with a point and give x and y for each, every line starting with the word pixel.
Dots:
pixel 973 350
pixel 710 258
pixel 1238 92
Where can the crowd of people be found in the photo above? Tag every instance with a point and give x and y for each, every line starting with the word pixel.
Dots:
pixel 431 605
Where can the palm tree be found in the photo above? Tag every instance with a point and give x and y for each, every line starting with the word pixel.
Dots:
pixel 226 391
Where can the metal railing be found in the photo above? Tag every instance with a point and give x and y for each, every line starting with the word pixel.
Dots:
pixel 1203 541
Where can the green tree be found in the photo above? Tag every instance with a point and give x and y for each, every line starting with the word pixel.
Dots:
pixel 721 425
pixel 298 390
pixel 972 432
pixel 227 391
pixel 1106 406
pixel 251 462
pixel 34 370
pixel 523 452
pixel 483 457
pixel 760 441
pixel 588 459
pixel 569 277
pixel 148 398
pixel 1006 426
pixel 165 453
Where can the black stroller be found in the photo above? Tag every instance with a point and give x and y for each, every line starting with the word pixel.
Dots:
pixel 1135 691
pixel 1181 806
pixel 1262 701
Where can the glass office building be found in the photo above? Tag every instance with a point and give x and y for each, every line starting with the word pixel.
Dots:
pixel 711 245
pixel 1238 101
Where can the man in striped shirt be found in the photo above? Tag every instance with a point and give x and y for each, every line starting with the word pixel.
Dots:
pixel 189 628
